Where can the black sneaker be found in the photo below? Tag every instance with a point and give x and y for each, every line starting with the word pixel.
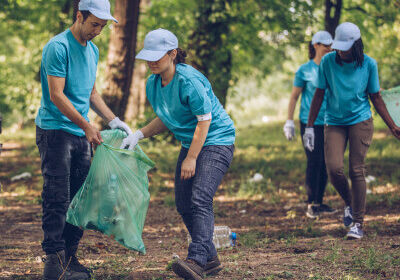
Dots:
pixel 324 208
pixel 312 211
pixel 213 266
pixel 73 263
pixel 55 269
pixel 188 269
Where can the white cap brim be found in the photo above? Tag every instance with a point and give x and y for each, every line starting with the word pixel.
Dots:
pixel 104 16
pixel 149 55
pixel 342 45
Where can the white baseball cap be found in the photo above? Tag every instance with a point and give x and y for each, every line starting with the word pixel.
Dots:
pixel 99 8
pixel 323 37
pixel 345 36
pixel 156 44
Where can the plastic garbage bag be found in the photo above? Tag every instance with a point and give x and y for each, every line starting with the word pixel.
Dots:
pixel 114 197
pixel 391 97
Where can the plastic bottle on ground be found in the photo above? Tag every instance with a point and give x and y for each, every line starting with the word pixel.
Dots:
pixel 106 211
pixel 223 237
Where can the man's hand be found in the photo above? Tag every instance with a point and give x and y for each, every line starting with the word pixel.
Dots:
pixel 117 123
pixel 308 138
pixel 132 140
pixel 93 135
pixel 395 131
pixel 188 168
pixel 288 129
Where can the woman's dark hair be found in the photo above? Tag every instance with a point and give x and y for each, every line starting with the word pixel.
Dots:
pixel 180 56
pixel 357 53
pixel 311 51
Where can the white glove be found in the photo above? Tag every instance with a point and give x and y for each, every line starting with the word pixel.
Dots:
pixel 308 138
pixel 132 140
pixel 288 129
pixel 117 123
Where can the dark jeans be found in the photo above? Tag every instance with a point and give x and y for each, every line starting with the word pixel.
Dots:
pixel 65 162
pixel 194 198
pixel 316 175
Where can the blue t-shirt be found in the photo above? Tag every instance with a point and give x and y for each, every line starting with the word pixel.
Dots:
pixel 347 100
pixel 63 56
pixel 306 78
pixel 187 95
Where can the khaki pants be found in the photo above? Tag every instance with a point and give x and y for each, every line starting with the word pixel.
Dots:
pixel 359 137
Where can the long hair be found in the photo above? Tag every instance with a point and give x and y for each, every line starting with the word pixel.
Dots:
pixel 357 53
pixel 311 51
pixel 180 56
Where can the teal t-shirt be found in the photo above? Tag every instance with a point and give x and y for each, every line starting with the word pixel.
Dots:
pixel 63 56
pixel 189 94
pixel 306 78
pixel 347 100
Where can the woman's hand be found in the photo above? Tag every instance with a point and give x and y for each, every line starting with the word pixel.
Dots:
pixel 188 168
pixel 395 131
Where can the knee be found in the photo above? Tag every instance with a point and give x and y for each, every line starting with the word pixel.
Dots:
pixel 357 172
pixel 336 171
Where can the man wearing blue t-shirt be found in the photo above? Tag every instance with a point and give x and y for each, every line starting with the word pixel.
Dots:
pixel 64 135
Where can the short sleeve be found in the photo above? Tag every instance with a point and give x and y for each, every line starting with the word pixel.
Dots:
pixel 321 76
pixel 299 79
pixel 55 60
pixel 373 79
pixel 196 95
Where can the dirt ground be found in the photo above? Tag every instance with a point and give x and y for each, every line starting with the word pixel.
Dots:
pixel 275 239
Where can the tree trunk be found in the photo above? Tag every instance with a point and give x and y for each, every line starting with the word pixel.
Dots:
pixel 332 21
pixel 137 99
pixel 208 42
pixel 121 56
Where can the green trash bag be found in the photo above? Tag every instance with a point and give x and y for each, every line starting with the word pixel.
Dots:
pixel 391 97
pixel 114 197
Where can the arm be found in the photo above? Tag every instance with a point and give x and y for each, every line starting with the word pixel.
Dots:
pixel 57 96
pixel 156 126
pixel 99 106
pixel 315 106
pixel 188 167
pixel 380 107
pixel 293 100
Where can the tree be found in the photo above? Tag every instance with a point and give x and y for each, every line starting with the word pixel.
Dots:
pixel 121 56
pixel 332 21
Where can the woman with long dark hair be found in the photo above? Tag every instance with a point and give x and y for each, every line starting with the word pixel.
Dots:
pixel 352 79
pixel 185 104
pixel 305 84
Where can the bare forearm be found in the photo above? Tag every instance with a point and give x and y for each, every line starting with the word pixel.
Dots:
pixel 199 137
pixel 100 107
pixel 315 106
pixel 380 107
pixel 67 109
pixel 155 127
pixel 293 100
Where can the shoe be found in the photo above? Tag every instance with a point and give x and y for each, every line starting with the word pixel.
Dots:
pixel 72 261
pixel 55 268
pixel 213 266
pixel 188 269
pixel 324 208
pixel 348 216
pixel 355 232
pixel 312 211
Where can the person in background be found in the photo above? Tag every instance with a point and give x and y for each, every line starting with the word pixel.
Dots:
pixel 348 78
pixel 305 85
pixel 64 135
pixel 185 104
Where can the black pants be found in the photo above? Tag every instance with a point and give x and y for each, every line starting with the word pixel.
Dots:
pixel 316 175
pixel 65 163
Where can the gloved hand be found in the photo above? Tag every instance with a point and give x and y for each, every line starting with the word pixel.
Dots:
pixel 117 123
pixel 288 129
pixel 132 140
pixel 308 138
